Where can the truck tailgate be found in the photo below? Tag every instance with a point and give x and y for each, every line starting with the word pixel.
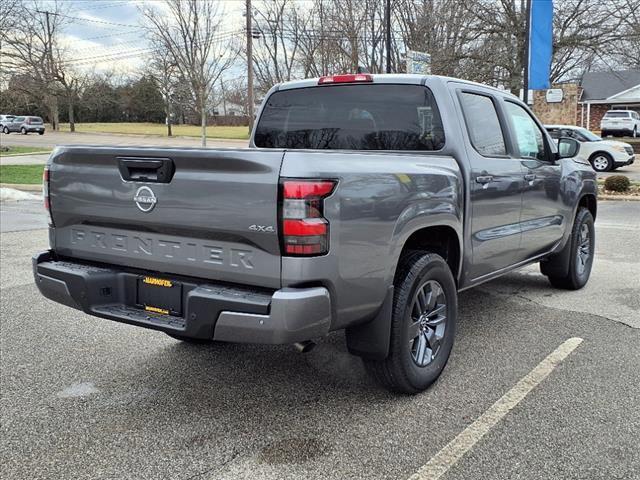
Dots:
pixel 208 213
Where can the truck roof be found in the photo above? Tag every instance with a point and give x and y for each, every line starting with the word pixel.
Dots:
pixel 411 79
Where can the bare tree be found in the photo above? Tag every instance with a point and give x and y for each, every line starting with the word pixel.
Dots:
pixel 442 28
pixel 190 32
pixel 587 31
pixel 277 47
pixel 31 47
pixel 163 69
pixel 9 14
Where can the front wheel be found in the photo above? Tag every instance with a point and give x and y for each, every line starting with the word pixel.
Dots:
pixel 635 132
pixel 425 309
pixel 23 131
pixel 40 133
pixel 581 247
pixel 602 162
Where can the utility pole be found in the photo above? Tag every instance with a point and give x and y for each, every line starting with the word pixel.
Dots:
pixel 49 55
pixel 525 53
pixel 249 66
pixel 388 28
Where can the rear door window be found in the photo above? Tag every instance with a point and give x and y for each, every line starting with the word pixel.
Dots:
pixel 483 124
pixel 352 117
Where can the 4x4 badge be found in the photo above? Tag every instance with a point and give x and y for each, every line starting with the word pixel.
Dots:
pixel 145 199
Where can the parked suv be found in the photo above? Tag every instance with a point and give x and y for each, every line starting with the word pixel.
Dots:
pixel 25 125
pixel 4 119
pixel 364 202
pixel 620 122
pixel 603 155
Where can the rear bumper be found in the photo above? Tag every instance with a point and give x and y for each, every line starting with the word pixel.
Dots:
pixel 616 131
pixel 210 311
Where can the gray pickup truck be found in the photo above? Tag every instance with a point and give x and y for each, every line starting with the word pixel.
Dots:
pixel 365 203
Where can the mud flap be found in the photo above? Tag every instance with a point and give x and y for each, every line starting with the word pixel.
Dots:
pixel 371 339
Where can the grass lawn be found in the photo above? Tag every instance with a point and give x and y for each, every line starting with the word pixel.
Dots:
pixel 24 150
pixel 233 133
pixel 25 174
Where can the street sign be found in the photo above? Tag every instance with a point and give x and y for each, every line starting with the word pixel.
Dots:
pixel 418 62
pixel 554 95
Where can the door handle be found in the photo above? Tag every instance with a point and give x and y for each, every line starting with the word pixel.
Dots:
pixel 530 177
pixel 484 179
pixel 153 170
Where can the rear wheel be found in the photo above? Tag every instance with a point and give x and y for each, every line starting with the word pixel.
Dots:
pixel 5 130
pixel 423 324
pixel 40 133
pixel 602 162
pixel 581 247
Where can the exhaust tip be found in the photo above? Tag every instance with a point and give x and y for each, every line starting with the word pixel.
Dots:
pixel 304 347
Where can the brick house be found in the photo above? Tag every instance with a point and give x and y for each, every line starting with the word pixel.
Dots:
pixel 602 91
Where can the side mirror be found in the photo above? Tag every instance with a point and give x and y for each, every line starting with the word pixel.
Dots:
pixel 567 148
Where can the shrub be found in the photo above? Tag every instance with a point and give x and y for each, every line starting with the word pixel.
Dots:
pixel 617 183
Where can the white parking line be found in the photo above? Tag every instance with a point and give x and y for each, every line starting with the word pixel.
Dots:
pixel 456 448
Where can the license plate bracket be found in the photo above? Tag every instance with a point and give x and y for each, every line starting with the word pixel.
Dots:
pixel 159 295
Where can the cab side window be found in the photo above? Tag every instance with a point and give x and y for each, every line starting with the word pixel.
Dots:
pixel 528 135
pixel 483 124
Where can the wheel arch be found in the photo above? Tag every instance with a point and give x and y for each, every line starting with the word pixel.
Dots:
pixel 590 202
pixel 600 152
pixel 441 239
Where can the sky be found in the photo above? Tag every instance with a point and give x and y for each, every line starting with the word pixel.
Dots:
pixel 105 35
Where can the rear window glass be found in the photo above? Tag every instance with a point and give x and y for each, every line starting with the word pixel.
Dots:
pixel 617 115
pixel 352 117
pixel 35 119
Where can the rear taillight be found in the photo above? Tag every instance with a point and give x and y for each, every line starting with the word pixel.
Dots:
pixel 46 175
pixel 305 231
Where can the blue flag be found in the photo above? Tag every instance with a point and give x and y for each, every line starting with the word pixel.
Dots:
pixel 540 44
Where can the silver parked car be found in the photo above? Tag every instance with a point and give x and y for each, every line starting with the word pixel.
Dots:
pixel 4 119
pixel 25 125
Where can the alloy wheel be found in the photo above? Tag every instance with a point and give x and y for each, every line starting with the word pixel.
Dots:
pixel 427 322
pixel 600 163
pixel 583 252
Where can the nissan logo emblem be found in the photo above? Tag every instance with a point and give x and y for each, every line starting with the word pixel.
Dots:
pixel 145 199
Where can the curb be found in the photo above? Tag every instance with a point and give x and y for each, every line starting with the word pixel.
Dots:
pixel 25 187
pixel 626 198
pixel 26 154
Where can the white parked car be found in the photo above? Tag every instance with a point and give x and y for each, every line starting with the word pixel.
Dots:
pixel 620 122
pixel 604 155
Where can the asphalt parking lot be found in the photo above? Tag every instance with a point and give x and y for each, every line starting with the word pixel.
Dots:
pixel 85 398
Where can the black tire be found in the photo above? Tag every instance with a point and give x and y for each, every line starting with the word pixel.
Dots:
pixel 601 162
pixel 23 131
pixel 579 270
pixel 40 133
pixel 635 132
pixel 6 130
pixel 402 371
pixel 194 341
